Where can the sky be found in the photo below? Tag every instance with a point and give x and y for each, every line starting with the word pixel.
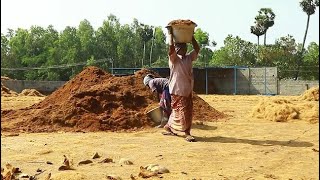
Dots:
pixel 216 17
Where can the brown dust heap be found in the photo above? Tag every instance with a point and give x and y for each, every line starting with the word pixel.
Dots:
pixel 7 92
pixel 94 100
pixel 181 22
pixel 286 110
pixel 5 78
pixel 311 94
pixel 31 92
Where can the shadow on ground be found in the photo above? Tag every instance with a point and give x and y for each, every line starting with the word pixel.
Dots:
pixel 203 127
pixel 220 139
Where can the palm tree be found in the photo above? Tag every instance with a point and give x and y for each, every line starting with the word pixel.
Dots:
pixel 146 33
pixel 265 18
pixel 309 7
pixel 258 30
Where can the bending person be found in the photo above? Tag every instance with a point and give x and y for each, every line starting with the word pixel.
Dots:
pixel 160 87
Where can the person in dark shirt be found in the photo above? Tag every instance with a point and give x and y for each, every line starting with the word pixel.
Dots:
pixel 160 86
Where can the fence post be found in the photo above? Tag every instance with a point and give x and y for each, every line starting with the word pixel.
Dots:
pixel 265 80
pixel 249 80
pixel 206 80
pixel 235 80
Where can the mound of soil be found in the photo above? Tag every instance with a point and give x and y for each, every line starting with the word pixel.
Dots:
pixel 94 100
pixel 31 92
pixel 7 92
pixel 311 94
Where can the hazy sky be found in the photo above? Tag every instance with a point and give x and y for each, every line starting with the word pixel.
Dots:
pixel 217 17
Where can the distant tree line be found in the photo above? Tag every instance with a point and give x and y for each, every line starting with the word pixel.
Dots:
pixel 46 54
pixel 112 44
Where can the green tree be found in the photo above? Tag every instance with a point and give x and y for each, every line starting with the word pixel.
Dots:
pixel 258 30
pixel 282 54
pixel 7 58
pixel 91 61
pixel 309 7
pixel 125 48
pixel 69 48
pixel 158 53
pixel 310 64
pixel 235 52
pixel 18 51
pixel 265 18
pixel 86 34
pixel 38 44
pixel 137 29
pixel 107 41
pixel 206 53
pixel 146 33
pixel 5 50
pixel 53 59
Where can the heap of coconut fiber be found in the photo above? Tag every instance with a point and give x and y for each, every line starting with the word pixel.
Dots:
pixel 282 110
pixel 7 92
pixel 311 94
pixel 5 78
pixel 94 100
pixel 31 92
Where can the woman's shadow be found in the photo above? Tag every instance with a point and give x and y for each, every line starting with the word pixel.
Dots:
pixel 203 126
pixel 221 139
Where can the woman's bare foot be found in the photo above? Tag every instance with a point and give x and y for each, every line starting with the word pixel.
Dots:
pixel 190 138
pixel 168 131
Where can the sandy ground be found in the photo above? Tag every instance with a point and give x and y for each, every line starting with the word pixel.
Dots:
pixel 238 147
pixel 19 101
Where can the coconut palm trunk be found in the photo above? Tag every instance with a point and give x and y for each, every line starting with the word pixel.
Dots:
pixel 306 32
pixel 144 53
pixel 302 50
pixel 265 38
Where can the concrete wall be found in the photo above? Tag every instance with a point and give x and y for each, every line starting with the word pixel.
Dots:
pixel 263 80
pixel 292 87
pixel 44 87
pixel 219 81
pixel 236 80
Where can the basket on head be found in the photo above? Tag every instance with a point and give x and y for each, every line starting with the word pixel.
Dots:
pixel 182 30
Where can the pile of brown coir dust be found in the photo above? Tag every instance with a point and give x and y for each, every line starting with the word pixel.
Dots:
pixel 311 94
pixel 6 92
pixel 31 92
pixel 181 22
pixel 94 100
pixel 282 110
pixel 5 78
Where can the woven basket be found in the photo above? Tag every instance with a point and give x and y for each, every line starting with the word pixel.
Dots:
pixel 155 114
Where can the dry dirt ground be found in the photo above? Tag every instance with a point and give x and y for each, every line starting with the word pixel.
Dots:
pixel 238 147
